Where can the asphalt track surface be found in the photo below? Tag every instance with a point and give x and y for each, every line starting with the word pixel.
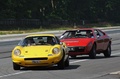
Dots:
pixel 80 68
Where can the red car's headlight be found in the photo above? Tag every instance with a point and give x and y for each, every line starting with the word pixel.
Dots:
pixel 17 52
pixel 56 50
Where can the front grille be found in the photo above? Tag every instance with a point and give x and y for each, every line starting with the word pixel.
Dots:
pixel 76 49
pixel 36 58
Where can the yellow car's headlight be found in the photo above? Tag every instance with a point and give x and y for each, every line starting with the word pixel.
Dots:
pixel 56 50
pixel 17 52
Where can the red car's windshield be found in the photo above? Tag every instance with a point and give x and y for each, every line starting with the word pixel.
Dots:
pixel 77 34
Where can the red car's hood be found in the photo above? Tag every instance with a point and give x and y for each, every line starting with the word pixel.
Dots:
pixel 76 41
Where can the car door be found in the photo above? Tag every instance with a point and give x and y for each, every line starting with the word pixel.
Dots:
pixel 105 40
pixel 99 40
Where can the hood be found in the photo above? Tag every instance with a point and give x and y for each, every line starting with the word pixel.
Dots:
pixel 76 41
pixel 37 51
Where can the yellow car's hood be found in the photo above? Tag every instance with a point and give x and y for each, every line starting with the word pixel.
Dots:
pixel 39 51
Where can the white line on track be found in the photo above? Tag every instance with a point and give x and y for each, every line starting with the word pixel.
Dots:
pixel 79 61
pixel 115 73
pixel 12 74
pixel 116 54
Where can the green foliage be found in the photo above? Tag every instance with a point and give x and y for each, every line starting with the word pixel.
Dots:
pixel 74 10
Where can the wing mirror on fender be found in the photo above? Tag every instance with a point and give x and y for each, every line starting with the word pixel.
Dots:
pixel 98 36
pixel 61 43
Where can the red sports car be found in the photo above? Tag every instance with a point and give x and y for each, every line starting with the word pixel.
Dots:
pixel 87 41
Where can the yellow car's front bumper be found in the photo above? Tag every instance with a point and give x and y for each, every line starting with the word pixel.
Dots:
pixel 36 61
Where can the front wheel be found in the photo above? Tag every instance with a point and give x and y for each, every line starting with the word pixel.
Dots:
pixel 107 52
pixel 92 53
pixel 16 66
pixel 67 62
pixel 61 63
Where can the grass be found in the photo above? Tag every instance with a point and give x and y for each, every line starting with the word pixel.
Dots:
pixel 53 28
pixel 23 31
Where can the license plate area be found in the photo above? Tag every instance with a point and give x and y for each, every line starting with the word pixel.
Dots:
pixel 35 61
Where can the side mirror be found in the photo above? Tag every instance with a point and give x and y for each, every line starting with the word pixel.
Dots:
pixel 98 36
pixel 61 43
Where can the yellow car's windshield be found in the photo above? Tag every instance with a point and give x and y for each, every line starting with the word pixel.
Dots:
pixel 38 40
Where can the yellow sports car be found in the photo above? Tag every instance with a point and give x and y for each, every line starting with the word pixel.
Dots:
pixel 40 50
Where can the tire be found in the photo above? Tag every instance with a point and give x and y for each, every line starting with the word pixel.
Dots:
pixel 67 62
pixel 92 53
pixel 107 52
pixel 16 67
pixel 61 64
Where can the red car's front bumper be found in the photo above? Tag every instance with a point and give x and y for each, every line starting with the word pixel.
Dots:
pixel 73 51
